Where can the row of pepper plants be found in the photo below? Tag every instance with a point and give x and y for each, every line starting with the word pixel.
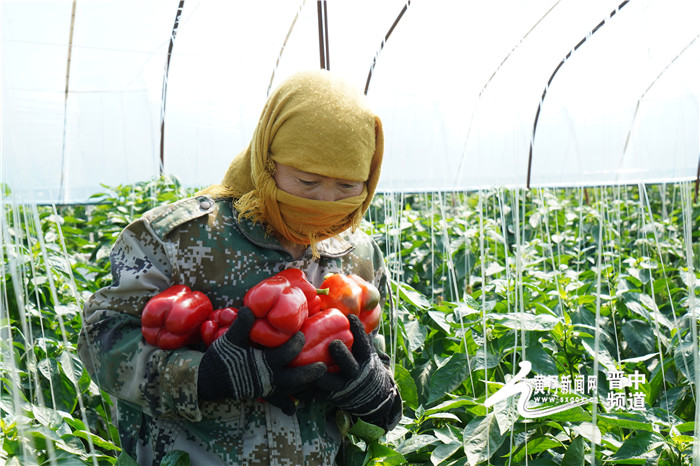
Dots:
pixel 577 282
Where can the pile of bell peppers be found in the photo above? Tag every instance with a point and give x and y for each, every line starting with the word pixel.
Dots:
pixel 172 318
pixel 283 304
pixel 280 309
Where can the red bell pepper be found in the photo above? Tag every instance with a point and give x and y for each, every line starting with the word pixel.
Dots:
pixel 219 322
pixel 370 310
pixel 371 319
pixel 171 319
pixel 343 294
pixel 280 310
pixel 351 294
pixel 319 330
pixel 297 278
pixel 370 294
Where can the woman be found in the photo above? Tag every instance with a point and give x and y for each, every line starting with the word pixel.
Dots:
pixel 293 198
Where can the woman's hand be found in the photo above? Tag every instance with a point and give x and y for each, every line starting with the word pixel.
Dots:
pixel 363 387
pixel 232 368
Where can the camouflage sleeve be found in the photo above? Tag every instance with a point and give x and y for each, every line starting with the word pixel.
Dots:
pixel 162 383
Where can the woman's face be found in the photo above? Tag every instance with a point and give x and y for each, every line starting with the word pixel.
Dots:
pixel 317 187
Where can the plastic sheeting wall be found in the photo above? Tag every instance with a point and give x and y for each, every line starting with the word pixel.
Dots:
pixel 459 86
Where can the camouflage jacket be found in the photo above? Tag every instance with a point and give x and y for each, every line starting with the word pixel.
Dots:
pixel 200 243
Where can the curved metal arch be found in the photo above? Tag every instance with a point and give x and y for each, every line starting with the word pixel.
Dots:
pixel 486 84
pixel 639 100
pixel 324 53
pixel 384 41
pixel 173 34
pixel 62 186
pixel 551 78
pixel 284 45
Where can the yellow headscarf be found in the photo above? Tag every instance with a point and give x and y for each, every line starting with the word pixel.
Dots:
pixel 314 122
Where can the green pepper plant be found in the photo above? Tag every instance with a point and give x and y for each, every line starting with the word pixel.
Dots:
pixel 580 283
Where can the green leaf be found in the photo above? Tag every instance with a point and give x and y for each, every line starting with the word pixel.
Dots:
pixel 47 416
pixel 62 390
pixel 586 299
pixel 462 462
pixel 449 376
pixel 630 421
pixel 439 318
pixel 588 431
pixel 415 334
pixel 639 336
pixel 447 435
pixel 450 404
pixel 352 455
pixel 603 356
pixel 379 454
pixel 407 386
pixel 416 442
pixel 574 455
pixel 477 361
pixel 410 295
pixel 70 366
pixel 96 440
pixel 442 452
pixel 684 359
pixel 71 445
pixel 683 439
pixel 481 438
pixel 542 362
pixel 534 446
pixel 176 458
pixel 686 427
pixel 577 414
pixel 657 384
pixel 450 416
pixel 645 306
pixel 638 445
pixel 525 321
pixel 366 431
pixel 467 308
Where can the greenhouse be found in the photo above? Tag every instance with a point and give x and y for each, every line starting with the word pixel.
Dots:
pixel 537 218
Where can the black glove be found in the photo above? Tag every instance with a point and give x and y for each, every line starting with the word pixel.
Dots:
pixel 231 367
pixel 363 387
